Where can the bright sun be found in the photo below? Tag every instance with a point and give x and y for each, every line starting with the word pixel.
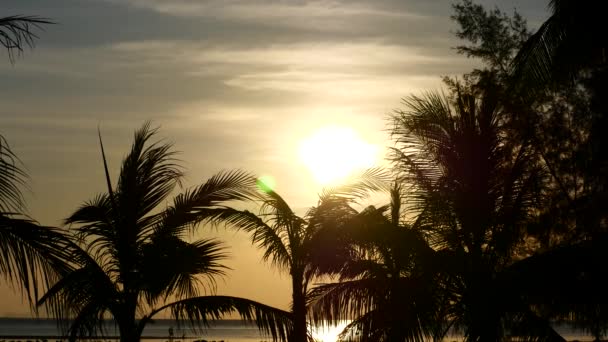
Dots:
pixel 332 153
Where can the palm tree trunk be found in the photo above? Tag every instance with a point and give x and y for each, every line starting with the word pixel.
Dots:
pixel 299 308
pixel 129 332
pixel 127 323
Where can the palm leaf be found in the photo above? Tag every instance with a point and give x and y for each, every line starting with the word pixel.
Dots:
pixel 571 39
pixel 206 202
pixel 16 32
pixel 264 236
pixel 81 296
pixel 200 311
pixel 12 177
pixel 359 185
pixel 32 256
pixel 172 267
pixel 148 175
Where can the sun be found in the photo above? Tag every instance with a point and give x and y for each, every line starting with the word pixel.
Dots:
pixel 332 153
pixel 327 333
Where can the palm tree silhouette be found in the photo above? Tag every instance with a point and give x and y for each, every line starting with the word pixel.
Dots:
pixel 289 241
pixel 135 261
pixel 478 188
pixel 389 285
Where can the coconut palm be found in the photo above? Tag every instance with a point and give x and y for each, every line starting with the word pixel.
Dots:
pixel 16 32
pixel 290 241
pixel 32 255
pixel 478 187
pixel 389 286
pixel 135 261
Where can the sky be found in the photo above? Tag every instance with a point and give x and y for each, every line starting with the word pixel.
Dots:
pixel 232 83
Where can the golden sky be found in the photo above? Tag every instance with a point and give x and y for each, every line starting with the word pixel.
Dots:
pixel 233 83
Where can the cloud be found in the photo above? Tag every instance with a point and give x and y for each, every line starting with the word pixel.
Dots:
pixel 262 10
pixel 358 70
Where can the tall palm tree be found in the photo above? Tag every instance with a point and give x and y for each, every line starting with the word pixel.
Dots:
pixel 135 261
pixel 389 286
pixel 32 255
pixel 478 188
pixel 289 241
pixel 16 32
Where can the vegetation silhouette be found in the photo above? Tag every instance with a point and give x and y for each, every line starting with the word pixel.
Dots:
pixel 389 283
pixel 290 242
pixel 477 191
pixel 17 32
pixel 135 262
pixel 32 255
pixel 572 38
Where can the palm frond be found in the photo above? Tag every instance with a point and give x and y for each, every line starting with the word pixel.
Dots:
pixel 335 302
pixel 571 39
pixel 17 32
pixel 279 215
pixel 536 58
pixel 32 256
pixel 364 329
pixel 12 177
pixel 148 175
pixel 200 311
pixel 171 266
pixel 207 201
pixel 81 296
pixel 264 236
pixel 359 185
pixel 95 220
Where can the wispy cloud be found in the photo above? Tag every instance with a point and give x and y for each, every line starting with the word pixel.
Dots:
pixel 259 10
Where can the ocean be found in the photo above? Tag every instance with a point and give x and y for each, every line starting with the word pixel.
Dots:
pixel 24 329
pixel 15 329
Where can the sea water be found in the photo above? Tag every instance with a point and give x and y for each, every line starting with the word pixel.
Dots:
pixel 164 330
pixel 23 329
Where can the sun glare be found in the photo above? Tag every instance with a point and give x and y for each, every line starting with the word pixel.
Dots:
pixel 328 333
pixel 332 153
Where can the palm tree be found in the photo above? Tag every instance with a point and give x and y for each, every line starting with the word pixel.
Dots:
pixel 389 286
pixel 135 262
pixel 478 188
pixel 16 32
pixel 289 241
pixel 32 255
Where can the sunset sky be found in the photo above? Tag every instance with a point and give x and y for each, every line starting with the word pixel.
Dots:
pixel 251 84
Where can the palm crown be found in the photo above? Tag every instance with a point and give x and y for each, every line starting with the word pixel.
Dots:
pixel 135 258
pixel 292 242
pixel 476 192
pixel 387 284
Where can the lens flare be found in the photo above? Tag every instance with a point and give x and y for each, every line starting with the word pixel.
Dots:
pixel 266 183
